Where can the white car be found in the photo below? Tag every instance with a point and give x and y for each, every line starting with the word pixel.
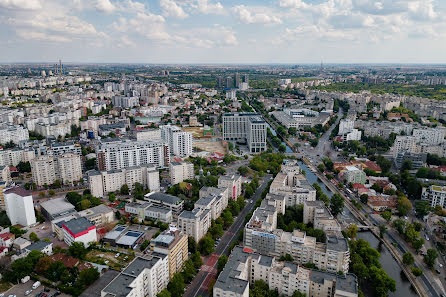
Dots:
pixel 117 255
pixel 106 262
pixel 28 292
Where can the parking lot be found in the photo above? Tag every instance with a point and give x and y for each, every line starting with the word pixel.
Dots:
pixel 19 290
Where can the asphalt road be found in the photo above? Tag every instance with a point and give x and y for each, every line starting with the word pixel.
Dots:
pixel 207 272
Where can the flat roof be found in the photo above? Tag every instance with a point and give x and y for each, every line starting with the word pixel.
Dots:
pixel 78 225
pixel 57 205
pixel 166 198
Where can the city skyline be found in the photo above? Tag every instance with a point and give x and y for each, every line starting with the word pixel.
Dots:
pixel 223 32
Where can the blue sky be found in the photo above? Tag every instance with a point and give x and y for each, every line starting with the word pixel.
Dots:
pixel 225 31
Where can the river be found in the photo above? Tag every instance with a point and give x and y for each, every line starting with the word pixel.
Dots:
pixel 403 285
pixel 288 149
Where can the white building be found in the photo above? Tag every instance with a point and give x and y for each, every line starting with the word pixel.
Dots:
pixel 195 223
pixel 432 136
pixel 346 126
pixel 180 143
pixel 69 168
pixel 148 210
pixel 14 133
pixel 245 127
pixel 148 134
pixel 144 277
pixel 404 144
pixel 231 94
pixel 15 156
pixel 125 102
pixel 233 183
pixel 124 154
pixel 44 170
pixel 180 171
pixel 436 195
pixel 284 81
pixel 79 230
pixel 19 206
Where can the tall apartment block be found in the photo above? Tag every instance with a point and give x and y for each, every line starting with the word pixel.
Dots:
pixel 245 127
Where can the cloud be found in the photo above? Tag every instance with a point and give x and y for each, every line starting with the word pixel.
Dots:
pixel 34 35
pixel 171 9
pixel 21 4
pixel 204 6
pixel 150 26
pixel 247 15
pixel 105 6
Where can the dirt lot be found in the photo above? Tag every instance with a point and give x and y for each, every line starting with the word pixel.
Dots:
pixel 210 146
pixel 197 132
pixel 108 258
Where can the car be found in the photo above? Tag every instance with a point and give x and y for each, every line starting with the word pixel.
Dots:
pixel 427 237
pixel 12 296
pixel 117 255
pixel 46 289
pixel 106 262
pixel 437 271
pixel 441 265
pixel 28 292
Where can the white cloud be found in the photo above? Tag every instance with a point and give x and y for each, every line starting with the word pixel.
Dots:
pixel 172 9
pixel 204 6
pixel 247 15
pixel 105 6
pixel 21 4
pixel 151 26
pixel 34 35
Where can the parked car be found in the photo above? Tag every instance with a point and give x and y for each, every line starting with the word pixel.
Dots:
pixel 28 292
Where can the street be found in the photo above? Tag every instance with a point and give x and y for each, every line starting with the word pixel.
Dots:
pixel 199 285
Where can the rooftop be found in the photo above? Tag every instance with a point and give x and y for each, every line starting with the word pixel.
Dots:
pixel 56 206
pixel 166 198
pixel 18 191
pixel 76 226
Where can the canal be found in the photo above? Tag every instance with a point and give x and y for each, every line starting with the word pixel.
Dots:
pixel 388 263
pixel 288 149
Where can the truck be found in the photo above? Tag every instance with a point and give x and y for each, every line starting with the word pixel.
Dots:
pixel 25 279
pixel 36 285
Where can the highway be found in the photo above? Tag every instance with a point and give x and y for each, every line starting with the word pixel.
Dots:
pixel 200 284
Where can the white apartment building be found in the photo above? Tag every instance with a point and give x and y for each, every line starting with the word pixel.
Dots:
pixel 69 168
pixel 284 81
pixel 124 154
pixel 79 230
pixel 56 130
pixel 233 183
pixel 15 156
pixel 354 134
pixel 14 133
pixel 195 223
pixel 404 144
pixel 125 102
pixel 144 277
pixel 432 136
pixel 104 182
pixel 44 170
pixel 249 128
pixel 180 171
pixel 245 267
pixel 19 206
pixel 346 126
pixel 436 195
pixel 180 143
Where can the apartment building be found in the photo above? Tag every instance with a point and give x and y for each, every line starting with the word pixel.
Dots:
pixel 195 223
pixel 317 214
pixel 19 206
pixel 180 171
pixel 104 182
pixel 436 195
pixel 233 183
pixel 149 210
pixel 79 230
pixel 173 203
pixel 431 136
pixel 249 128
pixel 180 142
pixel 47 169
pixel 14 156
pixel 147 134
pixel 404 144
pixel 98 215
pixel 292 184
pixel 14 133
pixel 58 148
pixel 346 126
pixel 245 267
pixel 143 277
pixel 174 244
pixel 216 202
pixel 115 155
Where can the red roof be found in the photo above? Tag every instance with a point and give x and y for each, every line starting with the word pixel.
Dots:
pixel 68 261
pixel 358 186
pixel 2 248
pixel 372 166
pixel 6 236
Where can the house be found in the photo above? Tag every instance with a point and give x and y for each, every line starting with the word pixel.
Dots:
pixel 383 202
pixel 7 239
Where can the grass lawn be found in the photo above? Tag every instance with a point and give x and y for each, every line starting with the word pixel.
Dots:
pixel 5 286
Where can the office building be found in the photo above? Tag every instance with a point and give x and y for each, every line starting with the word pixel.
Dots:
pixel 143 277
pixel 174 244
pixel 56 208
pixel 19 206
pixel 99 215
pixel 245 267
pixel 246 128
pixel 124 237
pixel 180 171
pixel 117 155
pixel 233 183
pixel 79 230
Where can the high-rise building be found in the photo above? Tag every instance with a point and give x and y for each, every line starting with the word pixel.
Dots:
pixel 180 142
pixel 228 82
pixel 237 80
pixel 19 206
pixel 14 133
pixel 246 78
pixel 124 154
pixel 47 169
pixel 69 168
pixel 180 171
pixel 245 127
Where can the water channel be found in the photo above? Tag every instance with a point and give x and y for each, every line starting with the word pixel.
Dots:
pixel 288 149
pixel 388 263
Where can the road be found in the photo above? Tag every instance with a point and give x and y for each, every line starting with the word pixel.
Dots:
pixel 199 285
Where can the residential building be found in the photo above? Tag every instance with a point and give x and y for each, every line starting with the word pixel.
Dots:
pixel 174 244
pixel 317 214
pixel 125 102
pixel 79 230
pixel 353 175
pixel 41 246
pixel 117 155
pixel 346 126
pixel 245 267
pixel 148 135
pixel 249 128
pixel 436 195
pixel 66 168
pixel 19 206
pixel 14 156
pixel 99 215
pixel 173 203
pixel 404 144
pixel 44 170
pixel 148 210
pixel 432 136
pixel 180 142
pixel 56 208
pixel 144 277
pixel 195 223
pixel 69 168
pixel 14 133
pixel 233 183
pixel 418 159
pixel 180 171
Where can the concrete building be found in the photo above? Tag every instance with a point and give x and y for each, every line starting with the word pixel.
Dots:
pixel 117 155
pixel 56 208
pixel 436 195
pixel 233 183
pixel 354 175
pixel 19 206
pixel 104 182
pixel 79 230
pixel 14 156
pixel 99 215
pixel 148 135
pixel 180 142
pixel 317 214
pixel 432 136
pixel 124 237
pixel 69 168
pixel 245 267
pixel 249 128
pixel 404 144
pixel 148 210
pixel 173 203
pixel 346 126
pixel 44 170
pixel 195 223
pixel 174 244
pixel 14 133
pixel 180 171
pixel 144 277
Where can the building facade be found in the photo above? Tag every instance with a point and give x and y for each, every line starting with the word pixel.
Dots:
pixel 19 206
pixel 249 128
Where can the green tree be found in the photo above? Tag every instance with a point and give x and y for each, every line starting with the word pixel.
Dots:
pixel 112 197
pixel 77 250
pixel 404 205
pixel 336 204
pixel 399 225
pixel 221 263
pixel 33 237
pixel 381 282
pixel 382 230
pixel 417 271
pixel 164 293
pixel 176 285
pixel 407 165
pixel 408 258
pixel 418 244
pixel 282 148
pixel 422 208
pixel 23 167
pixel 364 198
pixel 227 218
pixel 387 215
pixel 430 257
pixel 352 231
pixel 243 170
pixel 85 204
pixel 206 245
pixel 124 190
pixel 88 276
pixel 191 244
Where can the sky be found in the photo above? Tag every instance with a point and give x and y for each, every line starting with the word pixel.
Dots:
pixel 224 31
